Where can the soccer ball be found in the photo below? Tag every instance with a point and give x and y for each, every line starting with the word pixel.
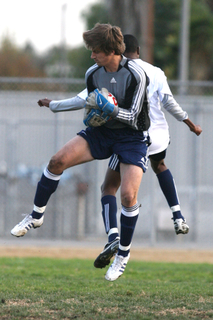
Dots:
pixel 112 99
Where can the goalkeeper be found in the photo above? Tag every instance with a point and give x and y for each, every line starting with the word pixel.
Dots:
pixel 158 89
pixel 125 134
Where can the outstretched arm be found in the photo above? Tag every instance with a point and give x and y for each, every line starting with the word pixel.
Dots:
pixel 193 127
pixel 71 104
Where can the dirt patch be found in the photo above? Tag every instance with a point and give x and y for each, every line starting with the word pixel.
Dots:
pixel 149 254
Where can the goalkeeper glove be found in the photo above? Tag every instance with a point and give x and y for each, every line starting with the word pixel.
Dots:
pixel 104 105
pixel 95 118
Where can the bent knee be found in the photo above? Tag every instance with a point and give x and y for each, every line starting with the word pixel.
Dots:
pixel 158 166
pixel 56 165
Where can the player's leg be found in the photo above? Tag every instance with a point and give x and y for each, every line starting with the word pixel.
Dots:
pixel 108 192
pixel 109 213
pixel 74 152
pixel 169 190
pixel 131 176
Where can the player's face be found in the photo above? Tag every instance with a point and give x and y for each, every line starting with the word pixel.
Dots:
pixel 101 58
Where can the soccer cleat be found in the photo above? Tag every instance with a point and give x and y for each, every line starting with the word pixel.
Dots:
pixel 25 225
pixel 181 226
pixel 117 267
pixel 109 251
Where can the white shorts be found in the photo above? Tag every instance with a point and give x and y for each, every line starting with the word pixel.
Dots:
pixel 159 138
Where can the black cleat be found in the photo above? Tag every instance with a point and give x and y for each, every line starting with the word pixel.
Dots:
pixel 105 256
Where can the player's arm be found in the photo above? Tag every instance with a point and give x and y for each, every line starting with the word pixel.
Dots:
pixel 75 103
pixel 71 104
pixel 171 105
pixel 134 99
pixel 193 127
pixel 166 97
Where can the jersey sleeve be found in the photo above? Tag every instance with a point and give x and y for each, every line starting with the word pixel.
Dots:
pixel 162 84
pixel 75 103
pixel 171 105
pixel 134 99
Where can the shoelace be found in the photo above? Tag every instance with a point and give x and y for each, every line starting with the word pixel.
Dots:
pixel 117 263
pixel 25 219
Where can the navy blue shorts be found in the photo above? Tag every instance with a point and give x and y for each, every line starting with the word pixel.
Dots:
pixel 114 162
pixel 130 145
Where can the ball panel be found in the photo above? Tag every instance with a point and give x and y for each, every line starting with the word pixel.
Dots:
pixel 112 99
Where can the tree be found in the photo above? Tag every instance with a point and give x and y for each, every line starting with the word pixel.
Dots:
pixel 15 62
pixel 167 28
pixel 201 53
pixel 167 33
pixel 135 17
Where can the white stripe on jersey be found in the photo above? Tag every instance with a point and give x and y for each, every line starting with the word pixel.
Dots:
pixel 140 94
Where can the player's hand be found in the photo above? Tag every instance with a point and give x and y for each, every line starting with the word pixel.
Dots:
pixel 90 101
pixel 197 130
pixel 104 105
pixel 193 127
pixel 44 102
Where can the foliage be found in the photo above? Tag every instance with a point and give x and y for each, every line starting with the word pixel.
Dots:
pixel 80 60
pixel 166 26
pixel 167 37
pixel 43 288
pixel 201 31
pixel 97 13
pixel 15 62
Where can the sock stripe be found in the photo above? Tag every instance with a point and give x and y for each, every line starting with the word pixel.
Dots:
pixel 175 208
pixel 111 231
pixel 125 248
pixel 39 209
pixel 51 176
pixel 131 211
pixel 106 216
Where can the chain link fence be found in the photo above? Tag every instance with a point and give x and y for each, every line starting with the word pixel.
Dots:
pixel 30 135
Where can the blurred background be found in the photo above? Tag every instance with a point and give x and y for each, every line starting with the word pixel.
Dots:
pixel 176 36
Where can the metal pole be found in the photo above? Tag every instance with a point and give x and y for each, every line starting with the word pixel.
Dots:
pixel 184 46
pixel 63 40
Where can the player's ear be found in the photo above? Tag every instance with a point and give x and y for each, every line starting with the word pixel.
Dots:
pixel 138 50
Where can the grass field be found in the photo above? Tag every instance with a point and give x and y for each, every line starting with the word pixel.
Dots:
pixel 46 288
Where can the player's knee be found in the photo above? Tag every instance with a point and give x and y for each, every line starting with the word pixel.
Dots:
pixel 56 165
pixel 128 199
pixel 158 166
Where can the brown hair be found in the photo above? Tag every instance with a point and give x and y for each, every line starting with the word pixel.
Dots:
pixel 106 38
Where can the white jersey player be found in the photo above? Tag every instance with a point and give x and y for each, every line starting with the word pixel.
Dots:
pixel 159 95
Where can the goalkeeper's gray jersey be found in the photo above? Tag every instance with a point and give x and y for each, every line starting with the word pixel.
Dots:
pixel 129 85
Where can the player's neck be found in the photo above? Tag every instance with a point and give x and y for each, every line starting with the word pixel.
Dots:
pixel 113 65
pixel 131 55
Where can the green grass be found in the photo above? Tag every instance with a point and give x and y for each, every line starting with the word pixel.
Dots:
pixel 37 288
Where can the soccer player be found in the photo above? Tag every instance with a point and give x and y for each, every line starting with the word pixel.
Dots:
pixel 159 94
pixel 125 134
